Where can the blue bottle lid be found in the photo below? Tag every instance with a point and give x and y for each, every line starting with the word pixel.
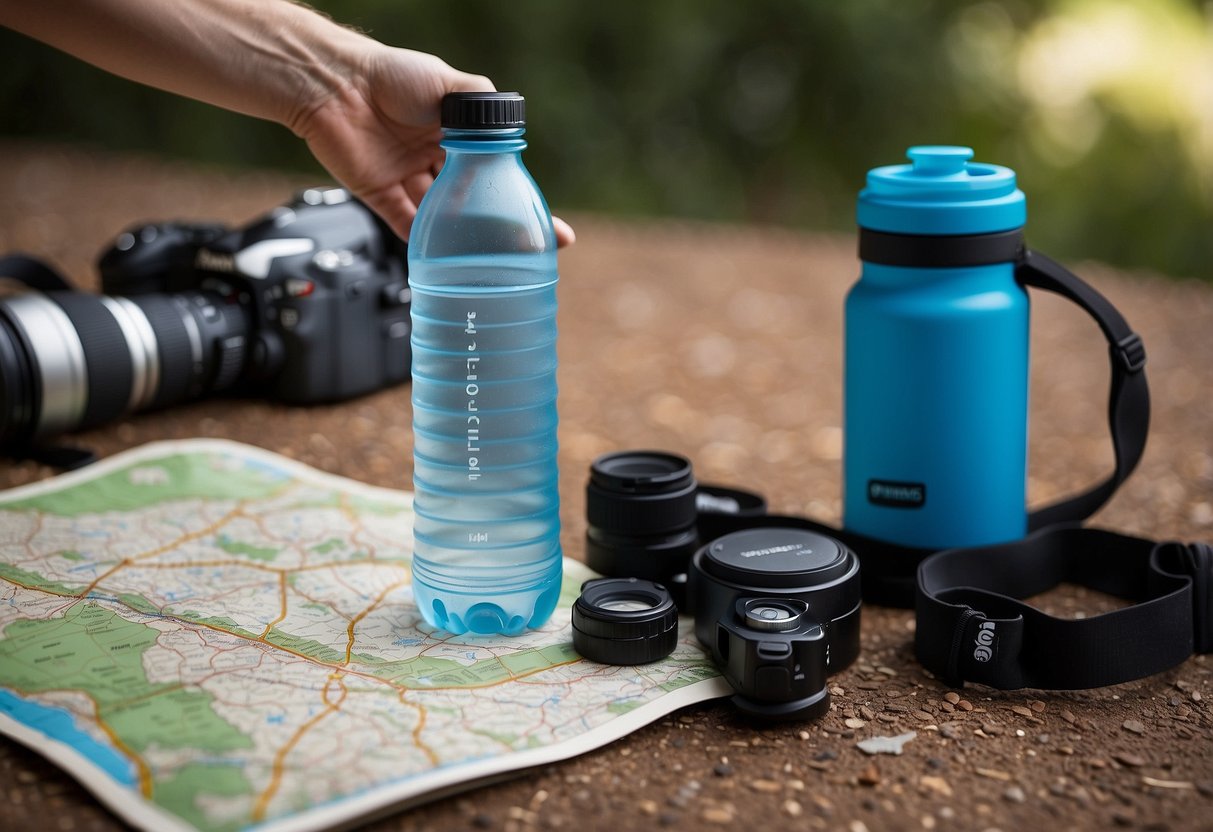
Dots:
pixel 941 192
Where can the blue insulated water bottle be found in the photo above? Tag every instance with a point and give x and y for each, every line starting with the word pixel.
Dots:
pixel 936 379
pixel 482 268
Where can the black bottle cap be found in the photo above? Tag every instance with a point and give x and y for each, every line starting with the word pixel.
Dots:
pixel 483 110
pixel 624 621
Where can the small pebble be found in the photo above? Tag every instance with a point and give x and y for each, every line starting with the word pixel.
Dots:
pixel 1134 726
pixel 854 723
pixel 1127 759
pixel 722 770
pixel 717 815
pixel 1037 706
pixel 1021 710
pixel 792 808
pixel 1014 794
pixel 767 786
pixel 869 776
pixel 965 705
pixel 952 730
pixel 952 696
pixel 936 784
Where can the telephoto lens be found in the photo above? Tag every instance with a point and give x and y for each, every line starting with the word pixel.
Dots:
pixel 71 360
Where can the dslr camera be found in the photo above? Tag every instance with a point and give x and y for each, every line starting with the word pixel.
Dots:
pixel 308 303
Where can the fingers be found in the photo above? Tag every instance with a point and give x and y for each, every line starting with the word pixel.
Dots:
pixel 565 235
pixel 394 205
pixel 466 82
pixel 416 186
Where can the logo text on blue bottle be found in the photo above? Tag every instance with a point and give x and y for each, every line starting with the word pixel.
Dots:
pixel 472 389
pixel 897 494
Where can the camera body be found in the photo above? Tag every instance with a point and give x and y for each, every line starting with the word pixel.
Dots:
pixel 779 609
pixel 322 282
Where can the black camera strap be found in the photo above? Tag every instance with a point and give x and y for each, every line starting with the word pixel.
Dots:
pixel 972 625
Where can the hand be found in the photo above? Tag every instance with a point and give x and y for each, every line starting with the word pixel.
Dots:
pixel 378 134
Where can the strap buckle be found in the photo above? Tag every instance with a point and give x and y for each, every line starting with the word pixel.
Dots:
pixel 1197 561
pixel 1131 352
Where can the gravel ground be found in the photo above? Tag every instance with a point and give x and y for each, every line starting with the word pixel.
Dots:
pixel 723 343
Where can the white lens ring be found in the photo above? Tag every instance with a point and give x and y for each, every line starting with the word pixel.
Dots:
pixel 141 345
pixel 59 359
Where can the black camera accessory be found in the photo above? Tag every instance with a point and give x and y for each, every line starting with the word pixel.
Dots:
pixel 775 674
pixel 774 654
pixel 624 621
pixel 972 627
pixel 642 508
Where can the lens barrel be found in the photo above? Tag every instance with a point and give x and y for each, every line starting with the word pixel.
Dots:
pixel 70 360
pixel 641 513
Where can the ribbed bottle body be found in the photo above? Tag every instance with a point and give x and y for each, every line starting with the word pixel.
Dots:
pixel 482 269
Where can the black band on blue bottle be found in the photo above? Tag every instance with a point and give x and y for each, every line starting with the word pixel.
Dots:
pixel 939 251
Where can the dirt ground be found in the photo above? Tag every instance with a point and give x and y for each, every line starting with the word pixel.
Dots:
pixel 724 344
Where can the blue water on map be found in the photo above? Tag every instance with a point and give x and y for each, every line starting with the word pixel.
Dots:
pixel 61 725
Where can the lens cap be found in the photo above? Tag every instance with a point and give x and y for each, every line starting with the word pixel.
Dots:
pixel 624 621
pixel 774 558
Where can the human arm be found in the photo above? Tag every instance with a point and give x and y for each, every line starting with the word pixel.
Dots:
pixel 368 112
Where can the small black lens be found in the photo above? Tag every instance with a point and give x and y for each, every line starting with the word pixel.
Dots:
pixel 640 507
pixel 624 621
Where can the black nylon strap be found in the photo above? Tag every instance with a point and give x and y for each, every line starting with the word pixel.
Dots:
pixel 972 627
pixel 33 272
pixel 1129 396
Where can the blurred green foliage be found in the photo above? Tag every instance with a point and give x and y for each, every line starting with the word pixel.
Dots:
pixel 771 111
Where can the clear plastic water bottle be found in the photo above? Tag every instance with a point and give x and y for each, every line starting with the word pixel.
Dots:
pixel 482 268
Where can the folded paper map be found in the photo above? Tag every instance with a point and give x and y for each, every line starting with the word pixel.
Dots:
pixel 210 636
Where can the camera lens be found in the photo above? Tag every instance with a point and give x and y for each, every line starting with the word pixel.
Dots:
pixel 71 360
pixel 624 621
pixel 640 507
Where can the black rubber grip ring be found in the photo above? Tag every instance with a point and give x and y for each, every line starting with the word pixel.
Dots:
pixel 107 357
pixel 173 347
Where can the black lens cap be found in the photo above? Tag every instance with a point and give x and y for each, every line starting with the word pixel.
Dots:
pixel 624 621
pixel 776 558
